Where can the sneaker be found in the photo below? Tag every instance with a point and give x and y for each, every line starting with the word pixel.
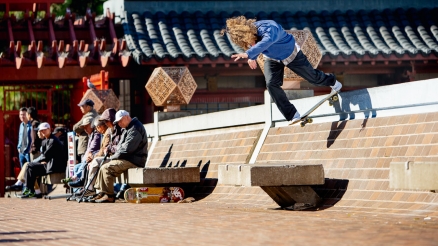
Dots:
pixel 14 187
pixel 39 195
pixel 76 184
pixel 106 199
pixel 297 116
pixel 66 180
pixel 29 195
pixel 337 87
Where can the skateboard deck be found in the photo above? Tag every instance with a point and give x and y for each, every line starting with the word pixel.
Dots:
pixel 154 195
pixel 332 97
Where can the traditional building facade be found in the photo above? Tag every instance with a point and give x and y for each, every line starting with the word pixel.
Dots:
pixel 45 59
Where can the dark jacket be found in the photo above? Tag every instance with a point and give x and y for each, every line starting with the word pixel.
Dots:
pixel 53 153
pixel 35 145
pixel 82 135
pixel 133 145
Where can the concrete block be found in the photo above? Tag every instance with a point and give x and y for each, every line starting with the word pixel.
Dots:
pixel 270 174
pixel 413 175
pixel 161 175
pixel 288 196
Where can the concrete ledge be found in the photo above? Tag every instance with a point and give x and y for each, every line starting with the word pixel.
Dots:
pixel 413 175
pixel 286 184
pixel 171 175
pixel 270 174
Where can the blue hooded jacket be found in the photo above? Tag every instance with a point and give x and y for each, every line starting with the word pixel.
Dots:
pixel 275 42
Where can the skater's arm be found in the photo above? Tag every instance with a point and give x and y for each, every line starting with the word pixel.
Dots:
pixel 269 37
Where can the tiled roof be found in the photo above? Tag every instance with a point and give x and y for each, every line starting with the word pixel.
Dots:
pixel 351 33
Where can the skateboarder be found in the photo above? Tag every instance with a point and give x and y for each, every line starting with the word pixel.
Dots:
pixel 280 50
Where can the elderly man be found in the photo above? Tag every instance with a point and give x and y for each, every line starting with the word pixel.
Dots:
pixel 51 160
pixel 93 146
pixel 87 109
pixel 131 153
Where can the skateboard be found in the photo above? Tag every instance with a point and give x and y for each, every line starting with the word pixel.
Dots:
pixel 154 195
pixel 332 97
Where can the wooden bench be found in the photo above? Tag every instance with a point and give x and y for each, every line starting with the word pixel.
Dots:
pixel 286 184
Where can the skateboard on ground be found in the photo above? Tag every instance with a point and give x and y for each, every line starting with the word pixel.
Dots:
pixel 332 97
pixel 154 194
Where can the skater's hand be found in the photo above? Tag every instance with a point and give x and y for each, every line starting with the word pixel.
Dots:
pixel 238 56
pixel 252 64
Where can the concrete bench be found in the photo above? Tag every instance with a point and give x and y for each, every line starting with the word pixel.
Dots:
pixel 413 175
pixel 49 180
pixel 160 176
pixel 286 184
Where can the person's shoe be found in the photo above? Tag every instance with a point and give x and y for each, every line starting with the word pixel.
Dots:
pixel 337 87
pixel 296 116
pixel 106 199
pixel 89 193
pixel 79 192
pixel 29 195
pixel 14 187
pixel 66 180
pixel 39 195
pixel 76 184
pixel 96 197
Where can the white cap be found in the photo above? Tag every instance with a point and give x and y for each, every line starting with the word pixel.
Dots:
pixel 43 126
pixel 119 115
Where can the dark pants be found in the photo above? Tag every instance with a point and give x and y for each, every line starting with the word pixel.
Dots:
pixel 274 72
pixel 34 170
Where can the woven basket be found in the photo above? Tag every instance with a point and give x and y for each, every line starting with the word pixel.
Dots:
pixel 308 46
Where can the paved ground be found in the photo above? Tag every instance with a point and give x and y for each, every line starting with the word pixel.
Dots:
pixel 57 222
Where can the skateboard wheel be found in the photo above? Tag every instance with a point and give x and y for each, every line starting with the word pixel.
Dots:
pixel 302 124
pixel 331 103
pixel 335 98
pixel 309 120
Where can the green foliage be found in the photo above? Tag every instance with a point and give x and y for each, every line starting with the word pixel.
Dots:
pixel 78 6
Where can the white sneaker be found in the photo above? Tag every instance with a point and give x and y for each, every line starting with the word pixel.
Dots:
pixel 297 116
pixel 337 87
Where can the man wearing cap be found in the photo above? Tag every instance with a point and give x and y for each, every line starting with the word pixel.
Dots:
pixel 51 160
pixel 93 147
pixel 87 109
pixel 131 153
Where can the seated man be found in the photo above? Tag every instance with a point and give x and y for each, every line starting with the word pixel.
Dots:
pixel 131 153
pixel 102 129
pixel 51 160
pixel 93 145
pixel 18 186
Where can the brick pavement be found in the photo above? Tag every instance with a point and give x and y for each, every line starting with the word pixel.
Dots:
pixel 56 222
